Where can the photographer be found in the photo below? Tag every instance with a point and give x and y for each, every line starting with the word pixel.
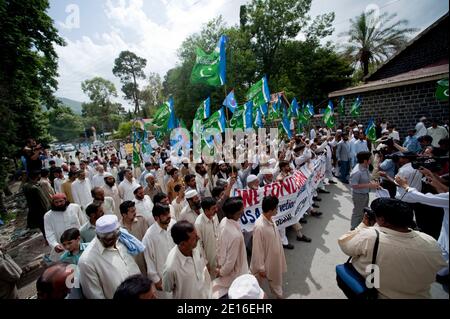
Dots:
pixel 407 260
pixel 436 200
pixel 32 152
pixel 387 170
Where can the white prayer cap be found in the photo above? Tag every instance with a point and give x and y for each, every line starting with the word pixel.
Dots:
pixel 107 174
pixel 338 131
pixel 266 171
pixel 221 163
pixel 135 187
pixel 360 125
pixel 356 129
pixel 191 194
pixel 245 287
pixel 106 224
pixel 185 160
pixel 148 175
pixel 251 178
pixel 384 131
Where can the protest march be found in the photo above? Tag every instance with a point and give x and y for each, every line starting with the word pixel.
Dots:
pixel 263 165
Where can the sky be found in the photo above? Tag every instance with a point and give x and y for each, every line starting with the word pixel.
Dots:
pixel 96 31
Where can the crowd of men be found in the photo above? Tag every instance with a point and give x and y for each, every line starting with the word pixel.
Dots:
pixel 170 228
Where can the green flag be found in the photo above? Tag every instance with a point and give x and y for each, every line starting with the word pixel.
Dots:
pixel 206 69
pixel 259 93
pixel 328 116
pixel 136 156
pixel 442 90
pixel 356 106
pixel 342 106
pixel 371 132
pixel 237 120
pixel 162 116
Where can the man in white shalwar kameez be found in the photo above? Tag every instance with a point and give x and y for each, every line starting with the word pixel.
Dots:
pixel 207 226
pixel 268 260
pixel 112 191
pixel 185 273
pixel 81 190
pixel 106 262
pixel 231 251
pixel 158 242
pixel 61 217
pixel 193 209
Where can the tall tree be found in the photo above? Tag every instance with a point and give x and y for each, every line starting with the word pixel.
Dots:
pixel 28 72
pixel 152 95
pixel 130 68
pixel 273 22
pixel 101 112
pixel 372 38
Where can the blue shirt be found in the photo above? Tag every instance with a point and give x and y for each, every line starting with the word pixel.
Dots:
pixel 70 258
pixel 359 146
pixel 388 166
pixel 412 144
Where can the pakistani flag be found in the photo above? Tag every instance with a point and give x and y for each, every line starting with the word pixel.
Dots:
pixel 275 108
pixel 248 115
pixel 216 120
pixel 342 106
pixel 356 106
pixel 162 115
pixel 328 116
pixel 258 119
pixel 442 90
pixel 210 68
pixel 237 120
pixel 204 110
pixel 371 132
pixel 259 93
pixel 293 110
pixel 286 123
pixel 230 102
pixel 136 155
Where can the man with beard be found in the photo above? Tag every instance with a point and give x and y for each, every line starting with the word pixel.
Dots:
pixel 190 182
pixel 152 187
pixel 106 262
pixel 58 219
pixel 98 194
pixel 191 212
pixel 158 243
pixel 112 191
pixel 144 204
pixel 202 181
pixel 223 172
pixel 37 202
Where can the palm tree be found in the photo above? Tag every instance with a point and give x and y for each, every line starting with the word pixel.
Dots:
pixel 374 39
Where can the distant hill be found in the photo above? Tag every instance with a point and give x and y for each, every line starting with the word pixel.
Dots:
pixel 74 105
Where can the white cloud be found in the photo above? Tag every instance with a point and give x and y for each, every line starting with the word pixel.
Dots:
pixel 131 29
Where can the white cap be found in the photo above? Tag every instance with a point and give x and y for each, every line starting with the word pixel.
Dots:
pixel 191 194
pixel 185 160
pixel 355 129
pixel 106 224
pixel 266 171
pixel 338 131
pixel 147 175
pixel 384 131
pixel 221 163
pixel 107 174
pixel 360 125
pixel 251 178
pixel 136 187
pixel 245 287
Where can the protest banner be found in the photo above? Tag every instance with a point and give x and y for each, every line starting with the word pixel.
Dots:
pixel 294 193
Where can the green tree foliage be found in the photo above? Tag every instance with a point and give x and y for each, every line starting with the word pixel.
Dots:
pixel 101 112
pixel 373 39
pixel 65 125
pixel 130 68
pixel 28 72
pixel 152 95
pixel 272 23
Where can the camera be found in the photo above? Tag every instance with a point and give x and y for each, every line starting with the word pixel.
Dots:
pixel 370 214
pixel 434 164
